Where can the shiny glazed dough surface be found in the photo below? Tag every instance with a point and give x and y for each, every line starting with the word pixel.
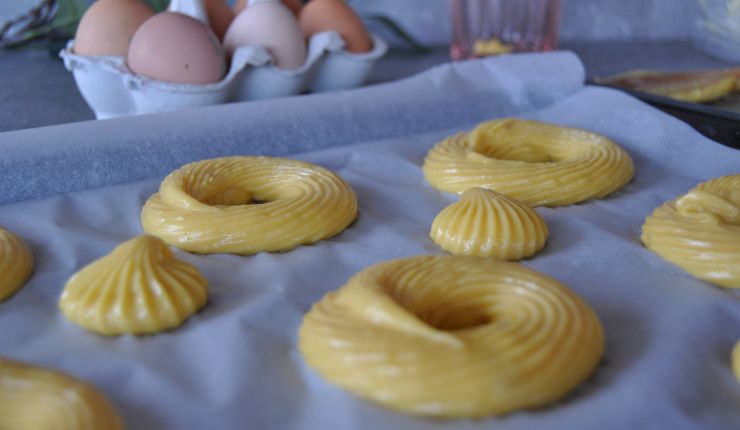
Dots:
pixel 700 231
pixel 485 223
pixel 34 398
pixel 244 205
pixel 16 263
pixel 139 288
pixel 736 360
pixel 538 163
pixel 453 336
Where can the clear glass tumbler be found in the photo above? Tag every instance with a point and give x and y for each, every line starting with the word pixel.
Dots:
pixel 490 27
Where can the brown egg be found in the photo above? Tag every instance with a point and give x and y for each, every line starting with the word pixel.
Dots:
pixel 335 15
pixel 295 6
pixel 220 16
pixel 108 26
pixel 174 47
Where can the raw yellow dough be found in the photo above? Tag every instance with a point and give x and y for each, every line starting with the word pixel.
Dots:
pixel 485 223
pixel 736 360
pixel 34 398
pixel 244 205
pixel 696 86
pixel 453 336
pixel 539 164
pixel 16 263
pixel 700 231
pixel 139 288
pixel 483 48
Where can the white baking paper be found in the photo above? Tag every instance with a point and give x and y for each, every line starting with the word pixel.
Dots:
pixel 46 161
pixel 235 364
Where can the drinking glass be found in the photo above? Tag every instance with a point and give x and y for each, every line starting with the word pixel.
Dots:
pixel 490 27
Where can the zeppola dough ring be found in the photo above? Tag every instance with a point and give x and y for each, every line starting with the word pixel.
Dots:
pixel 485 223
pixel 539 164
pixel 696 86
pixel 244 205
pixel 700 231
pixel 34 398
pixel 139 288
pixel 16 263
pixel 736 360
pixel 453 336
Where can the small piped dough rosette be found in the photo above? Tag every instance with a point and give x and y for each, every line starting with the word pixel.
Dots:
pixel 700 231
pixel 453 336
pixel 539 164
pixel 245 205
pixel 485 223
pixel 35 398
pixel 16 263
pixel 139 288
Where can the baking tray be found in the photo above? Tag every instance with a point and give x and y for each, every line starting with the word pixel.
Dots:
pixel 716 123
pixel 235 364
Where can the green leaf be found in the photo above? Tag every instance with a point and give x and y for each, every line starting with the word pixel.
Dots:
pixel 398 31
pixel 159 5
pixel 69 13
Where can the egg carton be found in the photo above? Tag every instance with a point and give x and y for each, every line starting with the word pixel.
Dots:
pixel 111 89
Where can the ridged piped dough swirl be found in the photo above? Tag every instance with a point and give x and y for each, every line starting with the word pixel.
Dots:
pixel 211 206
pixel 539 164
pixel 35 398
pixel 453 336
pixel 139 288
pixel 16 263
pixel 485 223
pixel 700 231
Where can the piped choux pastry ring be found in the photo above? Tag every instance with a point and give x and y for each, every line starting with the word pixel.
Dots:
pixel 453 336
pixel 700 231
pixel 735 358
pixel 35 398
pixel 539 164
pixel 16 263
pixel 244 205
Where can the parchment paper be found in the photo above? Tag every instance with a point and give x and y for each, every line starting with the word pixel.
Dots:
pixel 46 161
pixel 235 364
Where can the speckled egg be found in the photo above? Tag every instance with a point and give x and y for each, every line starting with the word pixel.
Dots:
pixel 108 26
pixel 174 47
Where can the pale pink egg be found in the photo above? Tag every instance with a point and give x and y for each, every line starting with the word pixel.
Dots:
pixel 272 25
pixel 294 6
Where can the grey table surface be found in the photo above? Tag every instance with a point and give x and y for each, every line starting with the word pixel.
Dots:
pixel 38 91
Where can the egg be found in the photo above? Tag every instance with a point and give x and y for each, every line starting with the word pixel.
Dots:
pixel 174 47
pixel 220 16
pixel 335 15
pixel 270 24
pixel 294 6
pixel 107 27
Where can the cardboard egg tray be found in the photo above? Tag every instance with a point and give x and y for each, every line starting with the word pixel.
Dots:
pixel 111 89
